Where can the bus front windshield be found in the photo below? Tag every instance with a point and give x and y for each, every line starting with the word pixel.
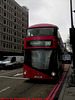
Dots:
pixel 38 59
pixel 45 31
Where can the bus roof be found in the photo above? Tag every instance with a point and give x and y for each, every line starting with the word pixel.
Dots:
pixel 42 25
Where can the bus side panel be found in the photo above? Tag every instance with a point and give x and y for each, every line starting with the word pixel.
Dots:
pixel 34 74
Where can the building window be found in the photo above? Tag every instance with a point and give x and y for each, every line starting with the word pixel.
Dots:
pixel 14 33
pixel 4 6
pixel 14 20
pixel 4 13
pixel 15 47
pixel 15 27
pixel 14 40
pixel 14 14
pixel 5 0
pixel 22 36
pixel 7 29
pixel 22 19
pixel 0 9
pixel 4 29
pixel 4 37
pixel 0 2
pixel 15 7
pixel 22 25
pixel 4 45
pixel 22 30
pixel 4 21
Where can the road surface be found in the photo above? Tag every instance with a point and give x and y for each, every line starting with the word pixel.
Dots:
pixel 13 85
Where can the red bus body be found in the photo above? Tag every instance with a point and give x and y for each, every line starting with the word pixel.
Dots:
pixel 42 53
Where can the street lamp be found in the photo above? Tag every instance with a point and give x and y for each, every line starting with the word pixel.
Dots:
pixel 72 33
pixel 72 26
pixel 72 42
pixel 72 29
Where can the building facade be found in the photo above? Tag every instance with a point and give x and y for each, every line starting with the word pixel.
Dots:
pixel 13 24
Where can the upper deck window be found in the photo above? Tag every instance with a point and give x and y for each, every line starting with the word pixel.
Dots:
pixel 46 31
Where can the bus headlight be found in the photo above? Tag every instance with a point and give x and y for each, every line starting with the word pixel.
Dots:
pixel 24 72
pixel 53 73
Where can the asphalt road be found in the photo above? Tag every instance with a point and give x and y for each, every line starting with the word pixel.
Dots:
pixel 13 85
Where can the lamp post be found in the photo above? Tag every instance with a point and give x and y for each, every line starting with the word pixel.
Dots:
pixel 72 26
pixel 72 41
pixel 72 34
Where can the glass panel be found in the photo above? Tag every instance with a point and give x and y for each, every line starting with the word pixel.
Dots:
pixel 40 32
pixel 39 43
pixel 41 58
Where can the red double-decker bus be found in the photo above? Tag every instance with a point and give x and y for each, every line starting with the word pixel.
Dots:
pixel 43 50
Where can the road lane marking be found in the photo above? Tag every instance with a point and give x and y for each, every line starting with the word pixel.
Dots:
pixel 4 89
pixel 2 70
pixel 10 71
pixel 14 77
pixel 19 74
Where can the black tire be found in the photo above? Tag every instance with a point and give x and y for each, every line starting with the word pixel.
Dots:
pixel 71 80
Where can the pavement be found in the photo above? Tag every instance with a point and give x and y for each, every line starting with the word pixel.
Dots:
pixel 68 92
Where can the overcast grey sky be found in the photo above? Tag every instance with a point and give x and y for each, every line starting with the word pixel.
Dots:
pixel 55 12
